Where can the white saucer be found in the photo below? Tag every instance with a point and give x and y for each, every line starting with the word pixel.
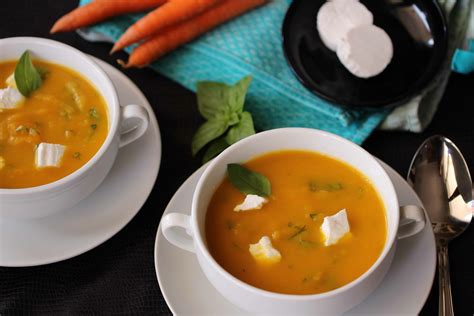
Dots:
pixel 403 291
pixel 104 213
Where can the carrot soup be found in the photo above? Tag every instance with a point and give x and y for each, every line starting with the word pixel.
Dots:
pixel 51 132
pixel 322 226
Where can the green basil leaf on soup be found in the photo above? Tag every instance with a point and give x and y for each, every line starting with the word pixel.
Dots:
pixel 248 181
pixel 27 77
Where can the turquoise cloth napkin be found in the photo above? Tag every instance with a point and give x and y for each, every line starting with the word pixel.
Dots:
pixel 463 60
pixel 251 44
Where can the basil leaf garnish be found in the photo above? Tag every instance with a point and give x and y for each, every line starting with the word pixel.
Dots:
pixel 248 181
pixel 27 77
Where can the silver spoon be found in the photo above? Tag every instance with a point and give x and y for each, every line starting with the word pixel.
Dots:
pixel 440 177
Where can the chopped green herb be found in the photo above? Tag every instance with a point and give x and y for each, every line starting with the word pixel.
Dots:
pixel 313 186
pixel 93 113
pixel 94 126
pixel 299 231
pixel 77 155
pixel 334 186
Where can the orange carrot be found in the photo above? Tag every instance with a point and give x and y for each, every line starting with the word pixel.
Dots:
pixel 100 10
pixel 170 13
pixel 174 36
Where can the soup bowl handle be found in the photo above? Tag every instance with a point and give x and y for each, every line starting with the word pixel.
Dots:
pixel 412 221
pixel 172 221
pixel 133 124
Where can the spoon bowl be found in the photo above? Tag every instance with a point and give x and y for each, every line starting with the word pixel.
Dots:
pixel 439 175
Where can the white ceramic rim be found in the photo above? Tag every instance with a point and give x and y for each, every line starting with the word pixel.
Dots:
pixel 114 120
pixel 391 239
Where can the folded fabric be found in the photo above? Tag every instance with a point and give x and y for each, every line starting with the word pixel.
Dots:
pixel 418 112
pixel 463 60
pixel 252 45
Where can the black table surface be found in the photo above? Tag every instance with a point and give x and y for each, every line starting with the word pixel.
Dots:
pixel 118 277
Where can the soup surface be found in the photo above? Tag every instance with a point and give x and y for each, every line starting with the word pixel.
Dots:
pixel 66 110
pixel 306 187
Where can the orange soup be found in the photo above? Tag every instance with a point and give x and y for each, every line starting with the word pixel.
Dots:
pixel 306 187
pixel 53 131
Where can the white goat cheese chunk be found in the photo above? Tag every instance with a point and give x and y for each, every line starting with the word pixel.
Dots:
pixel 335 227
pixel 49 155
pixel 11 81
pixel 335 18
pixel 264 252
pixel 365 51
pixel 251 202
pixel 10 98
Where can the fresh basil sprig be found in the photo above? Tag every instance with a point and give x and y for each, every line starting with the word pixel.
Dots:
pixel 248 181
pixel 222 106
pixel 27 76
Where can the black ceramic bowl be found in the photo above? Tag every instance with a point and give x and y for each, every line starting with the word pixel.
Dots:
pixel 419 36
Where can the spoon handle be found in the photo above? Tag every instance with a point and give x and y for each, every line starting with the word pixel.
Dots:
pixel 445 298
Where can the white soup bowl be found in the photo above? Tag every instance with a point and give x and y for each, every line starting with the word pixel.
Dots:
pixel 126 124
pixel 401 222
